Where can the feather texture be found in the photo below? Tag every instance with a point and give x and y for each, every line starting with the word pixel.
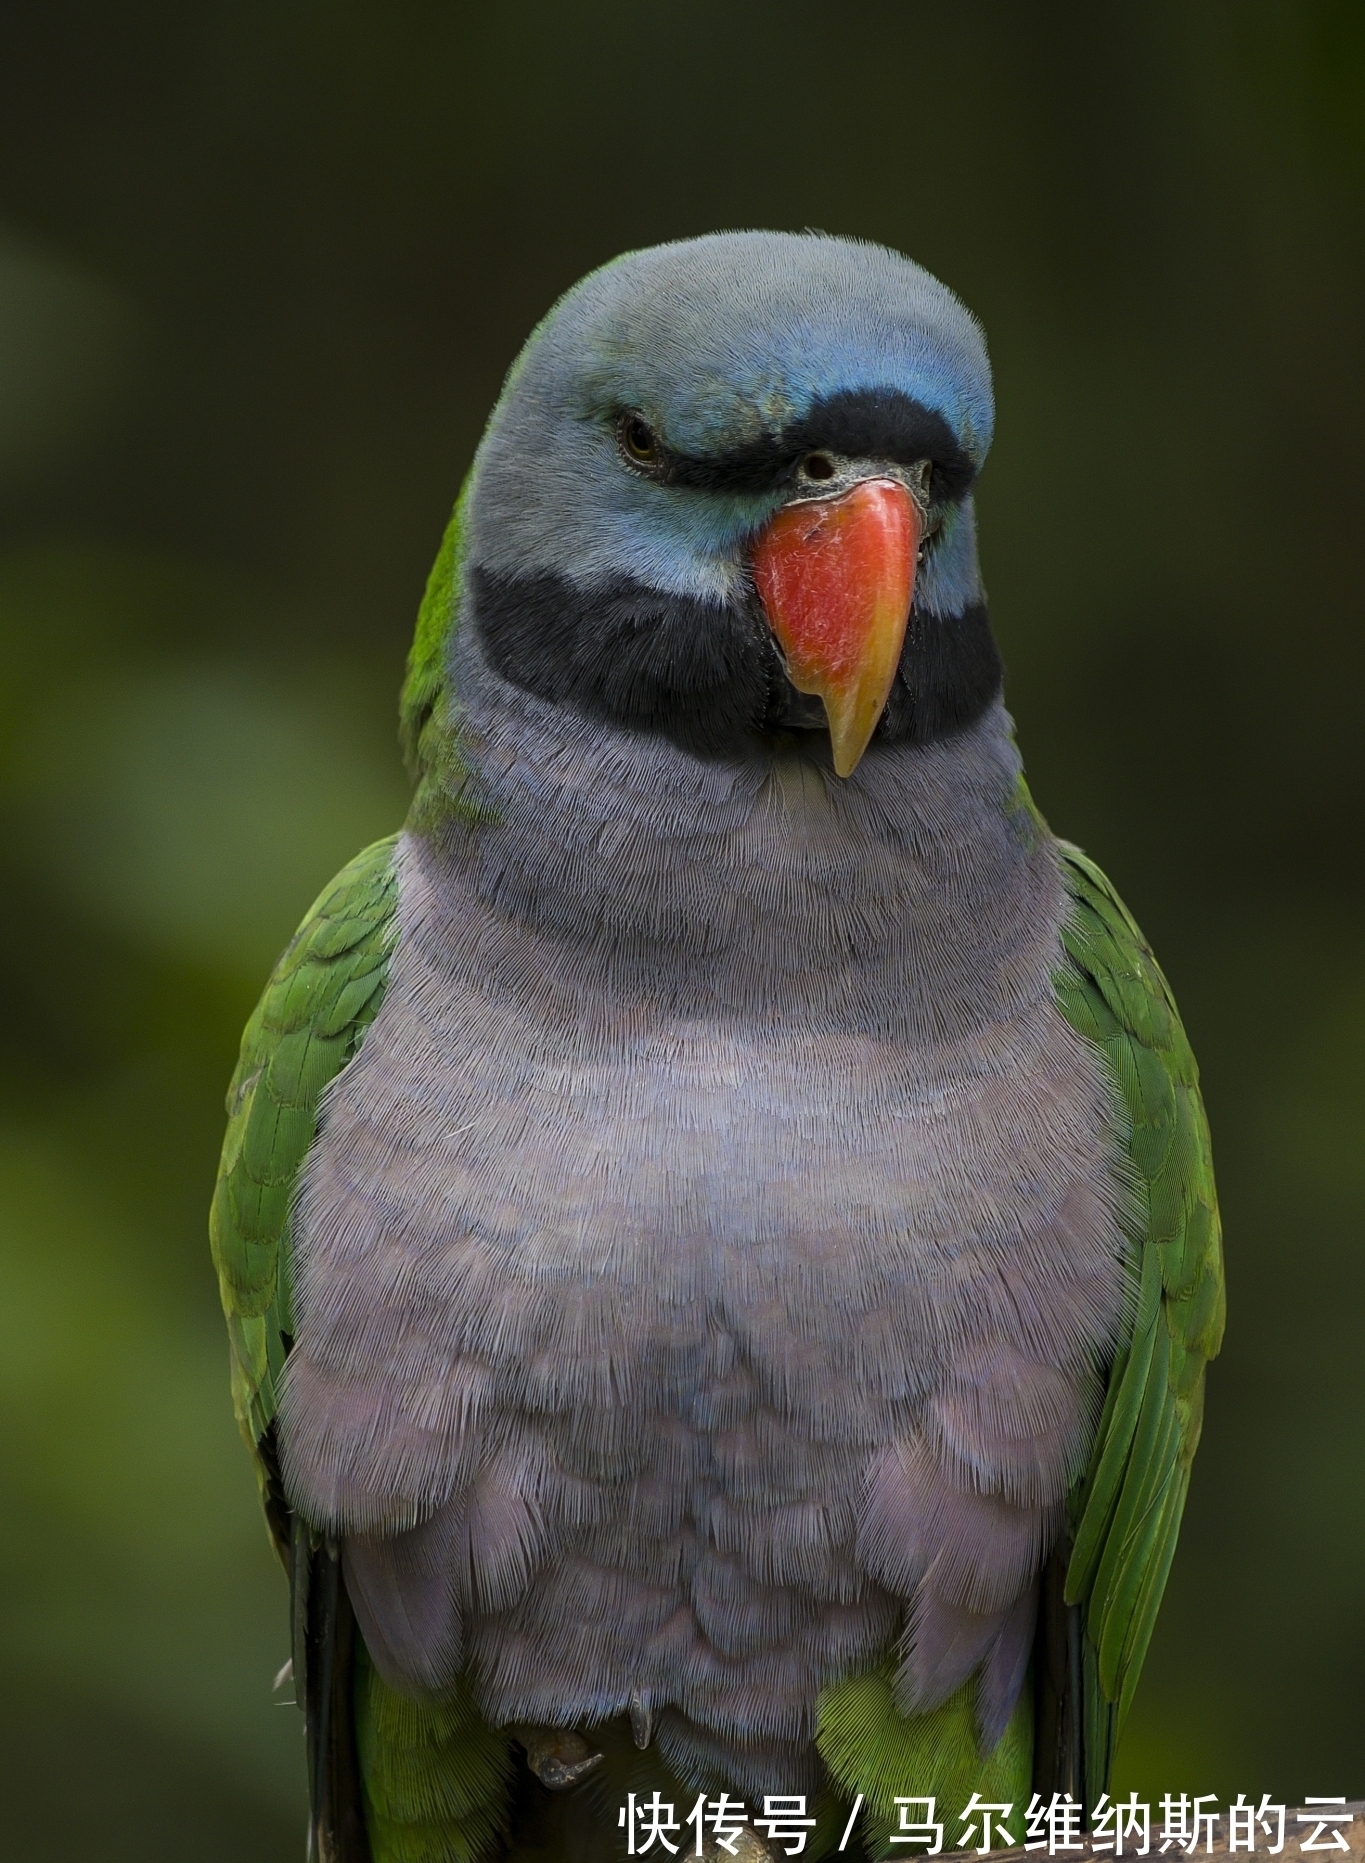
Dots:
pixel 1127 1509
pixel 706 1246
pixel 323 995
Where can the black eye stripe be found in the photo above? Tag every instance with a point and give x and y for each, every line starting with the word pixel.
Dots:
pixel 863 423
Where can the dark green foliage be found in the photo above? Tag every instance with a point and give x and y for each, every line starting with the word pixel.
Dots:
pixel 323 995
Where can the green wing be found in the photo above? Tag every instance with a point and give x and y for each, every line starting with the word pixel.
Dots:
pixel 323 995
pixel 1126 1513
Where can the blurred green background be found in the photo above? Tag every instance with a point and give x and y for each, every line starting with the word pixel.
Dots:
pixel 262 267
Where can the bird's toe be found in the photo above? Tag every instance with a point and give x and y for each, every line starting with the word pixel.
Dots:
pixel 558 1756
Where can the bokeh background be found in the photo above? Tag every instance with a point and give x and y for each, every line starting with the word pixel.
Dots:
pixel 262 267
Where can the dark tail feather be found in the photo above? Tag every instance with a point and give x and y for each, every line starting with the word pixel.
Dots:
pixel 1074 1723
pixel 1101 1726
pixel 324 1684
pixel 1059 1690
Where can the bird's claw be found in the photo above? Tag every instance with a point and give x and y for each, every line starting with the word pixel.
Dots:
pixel 558 1756
pixel 641 1719
pixel 749 1848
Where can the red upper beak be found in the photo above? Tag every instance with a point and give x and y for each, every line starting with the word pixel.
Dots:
pixel 836 577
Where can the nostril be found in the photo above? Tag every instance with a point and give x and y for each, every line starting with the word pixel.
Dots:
pixel 818 466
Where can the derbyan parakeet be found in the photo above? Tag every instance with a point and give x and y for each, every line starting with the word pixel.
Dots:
pixel 716 1223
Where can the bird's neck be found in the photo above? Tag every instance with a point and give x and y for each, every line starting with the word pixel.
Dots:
pixel 761 880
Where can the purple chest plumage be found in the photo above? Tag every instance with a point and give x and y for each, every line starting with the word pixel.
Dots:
pixel 704 1268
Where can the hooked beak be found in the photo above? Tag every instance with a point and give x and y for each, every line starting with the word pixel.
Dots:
pixel 836 577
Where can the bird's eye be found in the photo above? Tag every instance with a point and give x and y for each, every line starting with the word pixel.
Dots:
pixel 818 466
pixel 637 440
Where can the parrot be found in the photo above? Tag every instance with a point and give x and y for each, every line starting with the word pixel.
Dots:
pixel 716 1222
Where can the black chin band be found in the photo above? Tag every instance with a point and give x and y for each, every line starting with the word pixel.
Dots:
pixel 950 673
pixel 708 676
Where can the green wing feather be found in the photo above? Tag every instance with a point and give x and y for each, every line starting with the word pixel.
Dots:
pixel 323 995
pixel 1126 1513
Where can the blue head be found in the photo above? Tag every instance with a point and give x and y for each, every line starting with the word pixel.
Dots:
pixel 660 416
